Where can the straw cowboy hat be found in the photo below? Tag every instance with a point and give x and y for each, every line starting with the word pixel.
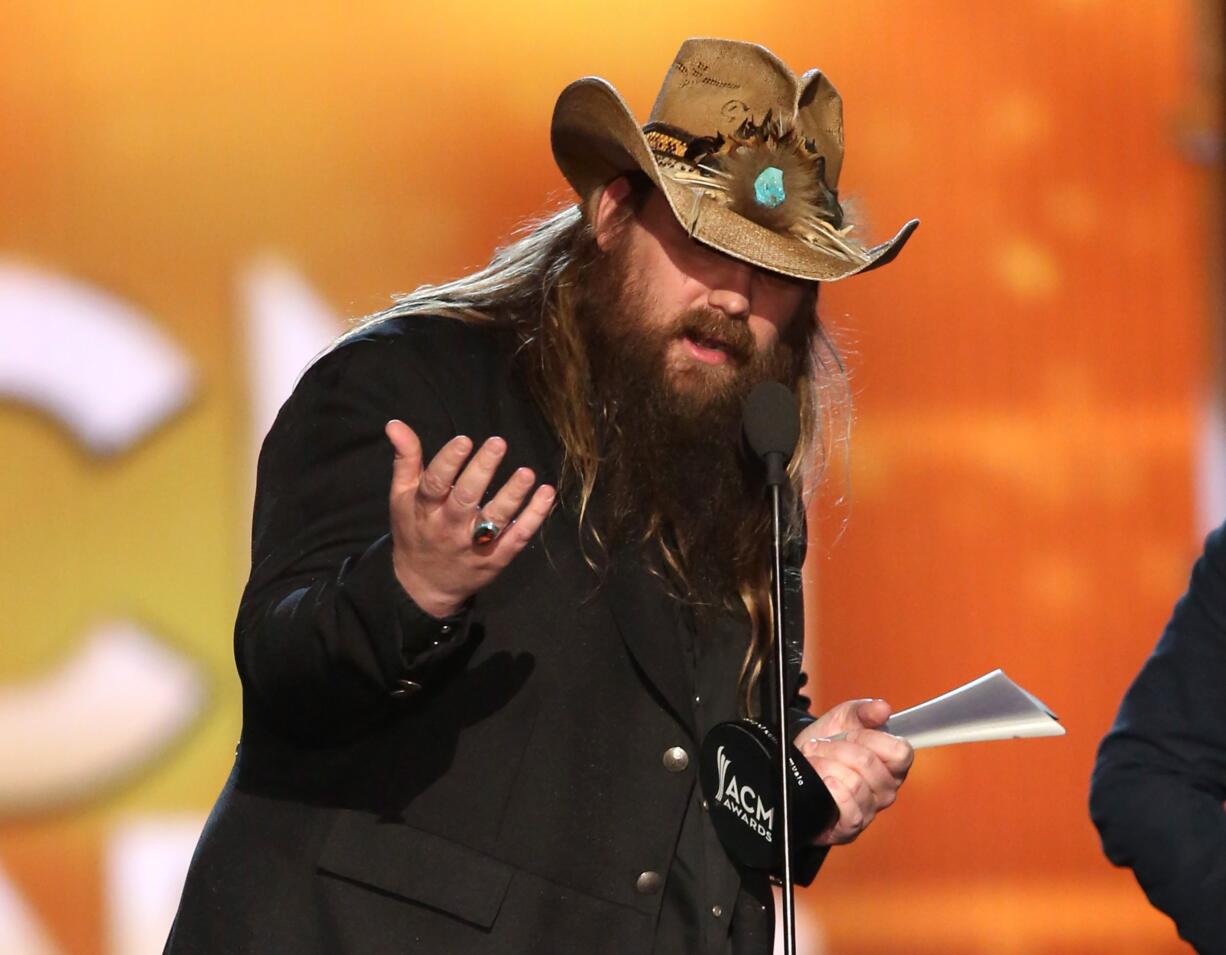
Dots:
pixel 747 155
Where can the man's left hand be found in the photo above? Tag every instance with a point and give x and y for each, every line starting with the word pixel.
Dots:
pixel 862 771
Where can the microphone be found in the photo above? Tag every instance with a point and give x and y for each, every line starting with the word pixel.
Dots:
pixel 772 428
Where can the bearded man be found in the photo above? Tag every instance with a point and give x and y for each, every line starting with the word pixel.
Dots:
pixel 509 562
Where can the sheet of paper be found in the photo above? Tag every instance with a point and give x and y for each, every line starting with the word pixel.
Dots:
pixel 991 707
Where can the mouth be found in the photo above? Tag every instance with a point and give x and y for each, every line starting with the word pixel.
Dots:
pixel 708 350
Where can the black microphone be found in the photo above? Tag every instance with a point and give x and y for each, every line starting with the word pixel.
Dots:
pixel 772 428
pixel 742 770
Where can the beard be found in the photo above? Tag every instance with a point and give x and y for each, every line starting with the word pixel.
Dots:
pixel 674 472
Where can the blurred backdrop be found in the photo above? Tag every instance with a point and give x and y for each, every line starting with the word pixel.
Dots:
pixel 195 197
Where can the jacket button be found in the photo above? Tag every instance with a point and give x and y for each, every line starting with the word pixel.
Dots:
pixel 676 759
pixel 406 688
pixel 648 883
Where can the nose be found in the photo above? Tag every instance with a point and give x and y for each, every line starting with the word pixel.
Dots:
pixel 730 292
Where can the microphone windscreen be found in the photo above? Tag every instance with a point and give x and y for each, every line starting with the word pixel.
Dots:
pixel 772 420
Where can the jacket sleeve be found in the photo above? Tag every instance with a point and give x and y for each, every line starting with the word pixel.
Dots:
pixel 1160 777
pixel 325 636
pixel 809 859
pixel 800 712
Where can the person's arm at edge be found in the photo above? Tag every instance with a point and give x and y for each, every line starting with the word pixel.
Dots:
pixel 1160 777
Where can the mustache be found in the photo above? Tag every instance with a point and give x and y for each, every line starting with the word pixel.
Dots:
pixel 712 325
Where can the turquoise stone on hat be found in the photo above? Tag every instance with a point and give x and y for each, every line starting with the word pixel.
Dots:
pixel 768 187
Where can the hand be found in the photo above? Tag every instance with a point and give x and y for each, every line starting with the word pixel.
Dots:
pixel 433 512
pixel 862 771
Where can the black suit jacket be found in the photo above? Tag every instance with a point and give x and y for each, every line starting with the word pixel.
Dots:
pixel 488 784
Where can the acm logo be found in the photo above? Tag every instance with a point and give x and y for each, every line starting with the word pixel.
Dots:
pixel 123 696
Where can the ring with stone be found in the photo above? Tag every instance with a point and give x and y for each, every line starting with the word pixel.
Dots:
pixel 485 531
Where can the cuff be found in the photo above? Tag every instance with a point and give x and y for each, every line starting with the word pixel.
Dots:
pixel 421 641
pixel 797 720
pixel 806 860
pixel 806 864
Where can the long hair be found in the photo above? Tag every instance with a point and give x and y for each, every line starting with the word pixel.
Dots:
pixel 534 285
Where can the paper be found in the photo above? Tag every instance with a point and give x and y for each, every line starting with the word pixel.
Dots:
pixel 992 707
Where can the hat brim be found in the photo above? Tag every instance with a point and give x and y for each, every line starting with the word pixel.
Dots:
pixel 596 138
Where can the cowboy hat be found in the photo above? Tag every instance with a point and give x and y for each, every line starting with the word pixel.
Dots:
pixel 747 155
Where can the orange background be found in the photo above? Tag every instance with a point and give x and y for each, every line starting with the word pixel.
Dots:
pixel 1031 376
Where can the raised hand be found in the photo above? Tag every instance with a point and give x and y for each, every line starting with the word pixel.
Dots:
pixel 862 767
pixel 435 510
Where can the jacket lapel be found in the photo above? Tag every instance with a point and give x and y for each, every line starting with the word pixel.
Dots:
pixel 648 626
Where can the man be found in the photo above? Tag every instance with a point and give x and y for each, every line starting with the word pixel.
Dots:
pixel 1160 778
pixel 472 703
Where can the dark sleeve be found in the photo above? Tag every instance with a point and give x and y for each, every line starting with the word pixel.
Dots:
pixel 326 637
pixel 794 552
pixel 807 862
pixel 1160 777
pixel 799 705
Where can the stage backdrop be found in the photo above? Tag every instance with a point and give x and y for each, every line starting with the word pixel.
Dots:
pixel 194 198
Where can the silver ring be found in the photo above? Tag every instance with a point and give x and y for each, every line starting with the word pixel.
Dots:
pixel 485 531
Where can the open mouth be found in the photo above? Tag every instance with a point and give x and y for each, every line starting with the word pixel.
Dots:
pixel 708 349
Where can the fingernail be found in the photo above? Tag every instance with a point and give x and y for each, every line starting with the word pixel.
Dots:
pixel 496 444
pixel 548 493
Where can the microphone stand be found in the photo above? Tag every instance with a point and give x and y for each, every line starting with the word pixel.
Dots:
pixel 771 426
pixel 776 475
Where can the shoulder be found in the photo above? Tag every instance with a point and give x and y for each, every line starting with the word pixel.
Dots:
pixel 411 368
pixel 427 339
pixel 441 376
pixel 1215 548
pixel 401 349
pixel 1208 585
pixel 426 332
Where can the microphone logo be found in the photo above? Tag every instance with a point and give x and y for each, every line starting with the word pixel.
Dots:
pixel 743 801
pixel 723 763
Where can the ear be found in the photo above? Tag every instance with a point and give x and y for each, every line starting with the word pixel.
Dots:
pixel 612 206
